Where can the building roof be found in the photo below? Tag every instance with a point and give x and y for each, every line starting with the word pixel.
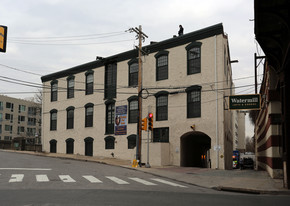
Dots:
pixel 154 47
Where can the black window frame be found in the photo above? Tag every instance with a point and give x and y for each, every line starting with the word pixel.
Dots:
pixel 54 90
pixel 70 146
pixel 70 117
pixel 161 134
pixel 161 109
pixel 132 73
pixel 53 122
pixel 110 116
pixel 70 87
pixel 109 142
pixel 133 113
pixel 193 103
pixel 89 84
pixel 132 141
pixel 193 62
pixel 162 71
pixel 89 118
pixel 110 81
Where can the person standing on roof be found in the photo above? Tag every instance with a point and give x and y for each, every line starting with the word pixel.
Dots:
pixel 180 32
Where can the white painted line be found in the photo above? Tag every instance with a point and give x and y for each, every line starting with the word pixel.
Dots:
pixel 42 178
pixel 92 179
pixel 117 180
pixel 66 178
pixel 16 178
pixel 168 183
pixel 31 169
pixel 142 181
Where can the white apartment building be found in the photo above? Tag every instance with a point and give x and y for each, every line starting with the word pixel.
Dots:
pixel 20 118
pixel 185 81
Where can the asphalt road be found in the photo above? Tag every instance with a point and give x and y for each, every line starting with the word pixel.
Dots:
pixel 34 180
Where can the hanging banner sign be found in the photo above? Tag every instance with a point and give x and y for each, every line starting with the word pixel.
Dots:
pixel 121 120
pixel 3 38
pixel 245 102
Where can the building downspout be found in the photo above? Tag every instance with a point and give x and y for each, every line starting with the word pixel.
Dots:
pixel 216 92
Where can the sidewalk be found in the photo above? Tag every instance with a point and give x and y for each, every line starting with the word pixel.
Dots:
pixel 246 181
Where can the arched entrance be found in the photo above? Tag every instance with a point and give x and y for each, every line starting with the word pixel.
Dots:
pixel 194 150
pixel 89 146
pixel 69 146
pixel 52 146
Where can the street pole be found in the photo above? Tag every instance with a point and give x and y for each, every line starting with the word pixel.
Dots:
pixel 139 96
pixel 140 36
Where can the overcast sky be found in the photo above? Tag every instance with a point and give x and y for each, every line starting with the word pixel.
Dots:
pixel 89 28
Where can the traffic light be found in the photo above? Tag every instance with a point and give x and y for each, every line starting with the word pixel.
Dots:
pixel 144 124
pixel 150 123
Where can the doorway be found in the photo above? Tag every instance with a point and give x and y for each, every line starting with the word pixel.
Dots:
pixel 194 150
pixel 89 146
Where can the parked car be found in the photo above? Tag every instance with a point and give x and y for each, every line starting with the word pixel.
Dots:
pixel 246 162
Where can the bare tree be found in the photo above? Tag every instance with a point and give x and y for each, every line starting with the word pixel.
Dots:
pixel 250 144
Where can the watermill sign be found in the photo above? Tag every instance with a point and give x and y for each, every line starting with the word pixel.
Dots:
pixel 245 102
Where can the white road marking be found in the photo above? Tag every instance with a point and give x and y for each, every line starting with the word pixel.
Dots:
pixel 31 169
pixel 16 178
pixel 66 178
pixel 42 178
pixel 167 182
pixel 117 180
pixel 92 179
pixel 142 181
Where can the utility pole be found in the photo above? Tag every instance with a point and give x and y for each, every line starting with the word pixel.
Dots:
pixel 141 36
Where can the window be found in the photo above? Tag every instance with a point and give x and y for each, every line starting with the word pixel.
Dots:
pixel 21 119
pixel 20 130
pixel 110 81
pixel 0 128
pixel 133 72
pixel 161 105
pixel 70 117
pixel 54 90
pixel 110 115
pixel 89 82
pixel 133 109
pixel 132 141
pixel 10 106
pixel 1 116
pixel 161 65
pixel 21 108
pixel 193 101
pixel 32 111
pixel 31 121
pixel 7 137
pixel 9 117
pixel 110 142
pixel 193 58
pixel 89 115
pixel 161 134
pixel 53 144
pixel 9 128
pixel 53 119
pixel 70 87
pixel 1 105
pixel 31 132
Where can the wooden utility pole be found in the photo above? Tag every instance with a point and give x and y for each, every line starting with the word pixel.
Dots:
pixel 140 36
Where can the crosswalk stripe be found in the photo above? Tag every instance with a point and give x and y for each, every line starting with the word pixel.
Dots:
pixel 66 178
pixel 141 181
pixel 168 183
pixel 42 178
pixel 92 179
pixel 117 180
pixel 16 178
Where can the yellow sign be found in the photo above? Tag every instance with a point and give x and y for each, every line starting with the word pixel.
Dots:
pixel 3 38
pixel 135 163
